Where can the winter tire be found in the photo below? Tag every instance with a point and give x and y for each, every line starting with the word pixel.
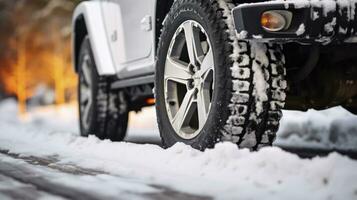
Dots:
pixel 209 85
pixel 102 112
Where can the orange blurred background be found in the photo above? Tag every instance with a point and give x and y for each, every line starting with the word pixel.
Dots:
pixel 35 51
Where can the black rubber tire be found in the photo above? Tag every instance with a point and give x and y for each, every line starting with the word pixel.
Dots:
pixel 267 61
pixel 232 116
pixel 108 115
pixel 351 110
pixel 274 75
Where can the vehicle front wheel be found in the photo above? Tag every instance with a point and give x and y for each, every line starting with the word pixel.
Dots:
pixel 210 86
pixel 102 112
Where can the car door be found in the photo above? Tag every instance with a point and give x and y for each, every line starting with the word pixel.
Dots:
pixel 130 32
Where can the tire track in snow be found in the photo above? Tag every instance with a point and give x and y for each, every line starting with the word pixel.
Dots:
pixel 51 162
pixel 12 189
pixel 26 175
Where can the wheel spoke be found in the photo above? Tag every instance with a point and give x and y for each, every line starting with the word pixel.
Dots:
pixel 194 48
pixel 207 64
pixel 176 71
pixel 203 105
pixel 86 111
pixel 85 94
pixel 185 111
pixel 86 73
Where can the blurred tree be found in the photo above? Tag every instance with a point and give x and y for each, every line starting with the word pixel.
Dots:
pixel 35 47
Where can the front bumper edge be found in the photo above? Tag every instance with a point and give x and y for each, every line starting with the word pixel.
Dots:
pixel 312 22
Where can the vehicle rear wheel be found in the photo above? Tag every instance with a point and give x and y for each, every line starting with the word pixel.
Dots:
pixel 209 85
pixel 102 112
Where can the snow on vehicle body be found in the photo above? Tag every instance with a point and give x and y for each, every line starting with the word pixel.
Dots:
pixel 222 69
pixel 316 21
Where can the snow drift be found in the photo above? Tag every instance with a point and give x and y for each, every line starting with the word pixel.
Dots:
pixel 334 128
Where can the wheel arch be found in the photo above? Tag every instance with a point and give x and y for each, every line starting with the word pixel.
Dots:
pixel 163 7
pixel 87 20
pixel 79 33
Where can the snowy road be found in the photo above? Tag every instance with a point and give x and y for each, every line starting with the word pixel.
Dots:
pixel 34 178
pixel 42 157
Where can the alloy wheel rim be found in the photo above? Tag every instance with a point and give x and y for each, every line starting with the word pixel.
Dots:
pixel 85 92
pixel 189 79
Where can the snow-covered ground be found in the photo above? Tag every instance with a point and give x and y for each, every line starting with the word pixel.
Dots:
pixel 334 128
pixel 222 173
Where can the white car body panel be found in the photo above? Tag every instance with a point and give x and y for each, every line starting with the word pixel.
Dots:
pixel 122 35
pixel 91 12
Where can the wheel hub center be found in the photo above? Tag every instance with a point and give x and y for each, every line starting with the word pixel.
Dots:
pixel 196 80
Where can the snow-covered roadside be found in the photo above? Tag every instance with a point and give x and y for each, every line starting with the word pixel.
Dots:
pixel 334 128
pixel 224 172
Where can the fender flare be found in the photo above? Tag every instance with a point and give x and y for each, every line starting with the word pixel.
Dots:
pixel 89 14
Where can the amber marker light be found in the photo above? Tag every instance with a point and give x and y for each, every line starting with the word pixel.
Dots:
pixel 150 101
pixel 273 21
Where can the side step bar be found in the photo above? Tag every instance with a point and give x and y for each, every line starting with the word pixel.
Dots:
pixel 142 80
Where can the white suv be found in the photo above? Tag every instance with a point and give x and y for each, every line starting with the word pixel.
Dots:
pixel 216 68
